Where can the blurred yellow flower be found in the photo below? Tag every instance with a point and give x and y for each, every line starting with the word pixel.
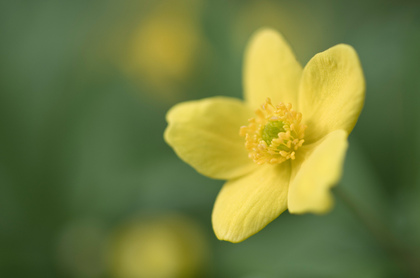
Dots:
pixel 296 157
pixel 161 247
pixel 164 48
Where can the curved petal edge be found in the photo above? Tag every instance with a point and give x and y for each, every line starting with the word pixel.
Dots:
pixel 205 134
pixel 246 205
pixel 270 70
pixel 317 170
pixel 332 92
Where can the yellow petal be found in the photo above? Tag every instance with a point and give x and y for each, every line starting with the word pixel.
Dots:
pixel 246 205
pixel 270 70
pixel 315 171
pixel 205 134
pixel 332 92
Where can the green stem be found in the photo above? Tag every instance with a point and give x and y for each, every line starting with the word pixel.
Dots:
pixel 392 245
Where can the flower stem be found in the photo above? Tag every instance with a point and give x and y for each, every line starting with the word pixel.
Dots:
pixel 391 244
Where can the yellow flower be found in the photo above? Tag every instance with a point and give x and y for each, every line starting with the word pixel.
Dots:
pixel 295 143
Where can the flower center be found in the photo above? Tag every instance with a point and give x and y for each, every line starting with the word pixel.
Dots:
pixel 275 134
pixel 271 131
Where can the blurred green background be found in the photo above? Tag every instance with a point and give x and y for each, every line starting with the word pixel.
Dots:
pixel 89 189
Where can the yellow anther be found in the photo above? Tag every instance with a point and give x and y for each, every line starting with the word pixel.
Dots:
pixel 275 134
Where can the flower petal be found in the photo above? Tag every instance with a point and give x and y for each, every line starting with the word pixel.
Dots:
pixel 332 92
pixel 270 70
pixel 205 134
pixel 315 171
pixel 246 205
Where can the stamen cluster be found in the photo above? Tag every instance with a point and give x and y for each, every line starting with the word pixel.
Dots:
pixel 275 134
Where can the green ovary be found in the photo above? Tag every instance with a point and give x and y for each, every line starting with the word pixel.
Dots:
pixel 271 131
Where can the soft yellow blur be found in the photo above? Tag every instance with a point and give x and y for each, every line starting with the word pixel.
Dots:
pixel 163 247
pixel 164 48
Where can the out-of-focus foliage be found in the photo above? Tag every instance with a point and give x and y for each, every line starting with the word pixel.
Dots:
pixel 82 117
